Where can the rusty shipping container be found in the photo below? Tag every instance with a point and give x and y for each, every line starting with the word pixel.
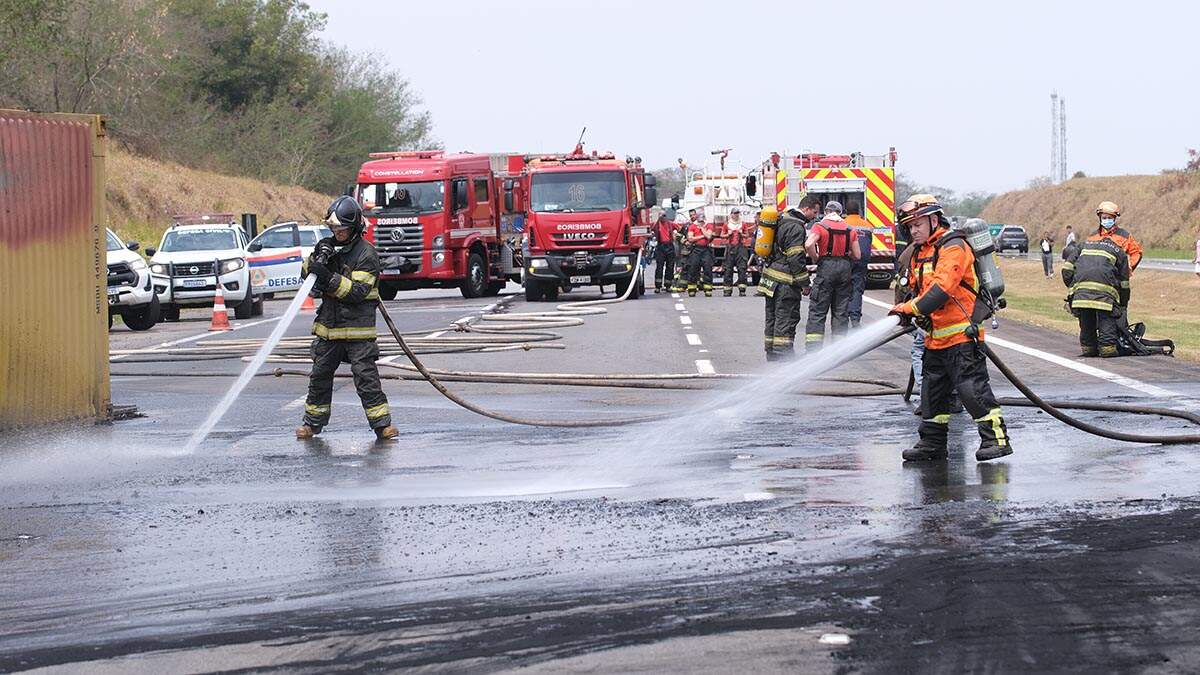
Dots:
pixel 53 269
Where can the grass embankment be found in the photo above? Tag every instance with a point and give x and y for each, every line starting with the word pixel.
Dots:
pixel 1162 211
pixel 144 193
pixel 1165 301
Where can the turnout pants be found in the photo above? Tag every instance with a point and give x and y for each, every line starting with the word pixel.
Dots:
pixel 783 315
pixel 664 270
pixel 1097 332
pixel 831 290
pixel 736 258
pixel 962 369
pixel 681 260
pixel 327 355
pixel 700 264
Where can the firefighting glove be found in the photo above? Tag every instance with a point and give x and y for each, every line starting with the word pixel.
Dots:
pixel 319 269
pixel 325 249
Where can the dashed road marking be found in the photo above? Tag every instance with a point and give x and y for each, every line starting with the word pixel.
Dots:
pixel 693 339
pixel 685 320
pixel 705 367
pixel 675 295
pixel 194 338
pixel 679 306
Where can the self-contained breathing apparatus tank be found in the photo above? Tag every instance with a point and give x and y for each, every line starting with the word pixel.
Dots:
pixel 764 241
pixel 991 282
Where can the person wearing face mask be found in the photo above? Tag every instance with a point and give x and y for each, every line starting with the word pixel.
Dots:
pixel 1098 275
pixel 1108 213
pixel 941 274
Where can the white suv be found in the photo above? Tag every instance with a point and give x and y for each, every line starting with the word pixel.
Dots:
pixel 192 258
pixel 130 290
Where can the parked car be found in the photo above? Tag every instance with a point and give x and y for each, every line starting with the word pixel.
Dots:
pixel 193 258
pixel 275 256
pixel 1013 237
pixel 130 289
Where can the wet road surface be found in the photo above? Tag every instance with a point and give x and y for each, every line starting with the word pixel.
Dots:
pixel 782 533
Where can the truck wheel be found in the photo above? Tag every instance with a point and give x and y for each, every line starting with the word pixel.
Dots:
pixel 387 292
pixel 493 289
pixel 550 292
pixel 144 317
pixel 110 320
pixel 259 304
pixel 170 312
pixel 245 308
pixel 475 284
pixel 623 285
pixel 533 290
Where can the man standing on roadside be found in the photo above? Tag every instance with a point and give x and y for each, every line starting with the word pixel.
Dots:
pixel 835 248
pixel 859 275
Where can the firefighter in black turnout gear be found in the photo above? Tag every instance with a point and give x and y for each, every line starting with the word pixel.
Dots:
pixel 784 279
pixel 1098 275
pixel 834 246
pixel 347 270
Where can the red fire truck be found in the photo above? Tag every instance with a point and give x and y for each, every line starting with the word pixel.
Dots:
pixel 435 219
pixel 586 216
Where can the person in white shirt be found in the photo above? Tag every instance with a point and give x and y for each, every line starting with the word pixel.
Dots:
pixel 1047 255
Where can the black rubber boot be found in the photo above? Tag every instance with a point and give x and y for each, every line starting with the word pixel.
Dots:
pixel 925 451
pixel 728 292
pixel 742 291
pixel 990 449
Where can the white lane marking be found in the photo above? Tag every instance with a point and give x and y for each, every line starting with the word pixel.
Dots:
pixel 693 339
pixel 193 338
pixel 675 295
pixel 679 306
pixel 296 404
pixel 685 320
pixel 705 367
pixel 1099 373
pixel 702 351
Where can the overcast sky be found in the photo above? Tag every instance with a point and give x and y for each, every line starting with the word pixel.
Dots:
pixel 961 89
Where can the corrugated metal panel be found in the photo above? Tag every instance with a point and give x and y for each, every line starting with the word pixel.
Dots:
pixel 53 303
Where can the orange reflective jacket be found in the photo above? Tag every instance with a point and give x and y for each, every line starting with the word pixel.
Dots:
pixel 945 292
pixel 1121 237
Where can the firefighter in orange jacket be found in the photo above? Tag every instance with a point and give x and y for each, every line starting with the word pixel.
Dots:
pixel 1108 213
pixel 942 273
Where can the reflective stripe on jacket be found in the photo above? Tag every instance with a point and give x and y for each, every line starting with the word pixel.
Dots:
pixel 1121 237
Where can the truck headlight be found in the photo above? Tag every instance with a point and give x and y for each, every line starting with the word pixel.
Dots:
pixel 232 265
pixel 439 258
pixel 438 241
pixel 539 263
pixel 620 260
pixel 158 268
pixel 137 265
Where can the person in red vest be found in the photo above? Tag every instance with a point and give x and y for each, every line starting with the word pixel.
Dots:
pixel 664 253
pixel 700 260
pixel 740 238
pixel 834 245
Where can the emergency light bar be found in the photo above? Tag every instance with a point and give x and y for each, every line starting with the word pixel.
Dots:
pixel 407 154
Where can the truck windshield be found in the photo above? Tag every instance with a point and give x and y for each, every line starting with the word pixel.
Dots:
pixel 114 244
pixel 582 191
pixel 426 197
pixel 198 240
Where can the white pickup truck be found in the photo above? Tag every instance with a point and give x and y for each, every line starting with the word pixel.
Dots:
pixel 193 258
pixel 130 290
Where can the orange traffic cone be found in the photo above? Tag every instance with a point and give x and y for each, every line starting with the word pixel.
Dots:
pixel 308 306
pixel 220 317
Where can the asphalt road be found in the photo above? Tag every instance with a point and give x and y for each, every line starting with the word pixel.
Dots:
pixel 756 529
pixel 1162 264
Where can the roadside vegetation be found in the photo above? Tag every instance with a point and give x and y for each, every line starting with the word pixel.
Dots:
pixel 241 87
pixel 1165 301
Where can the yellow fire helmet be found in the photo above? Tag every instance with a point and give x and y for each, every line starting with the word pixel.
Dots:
pixel 1108 208
pixel 768 215
pixel 917 206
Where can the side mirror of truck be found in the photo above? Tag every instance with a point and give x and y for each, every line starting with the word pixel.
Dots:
pixel 651 193
pixel 508 200
pixel 651 181
pixel 751 186
pixel 132 245
pixel 151 251
pixel 255 247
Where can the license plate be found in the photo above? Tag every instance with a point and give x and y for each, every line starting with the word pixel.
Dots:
pixel 581 279
pixel 194 283
pixel 113 298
